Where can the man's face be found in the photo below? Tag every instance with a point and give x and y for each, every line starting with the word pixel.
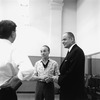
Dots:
pixel 44 52
pixel 66 40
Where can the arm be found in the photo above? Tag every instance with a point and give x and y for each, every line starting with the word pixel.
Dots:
pixel 37 77
pixel 74 64
pixel 53 77
pixel 24 64
pixel 57 73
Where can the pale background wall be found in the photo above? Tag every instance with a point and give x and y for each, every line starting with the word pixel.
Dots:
pixel 44 21
pixel 40 23
pixel 82 17
pixel 88 25
pixel 69 18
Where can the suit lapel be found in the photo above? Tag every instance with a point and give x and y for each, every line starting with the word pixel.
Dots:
pixel 67 56
pixel 65 59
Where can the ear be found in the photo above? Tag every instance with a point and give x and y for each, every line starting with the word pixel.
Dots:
pixel 72 39
pixel 12 34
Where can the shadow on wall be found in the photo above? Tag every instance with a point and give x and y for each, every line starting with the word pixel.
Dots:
pixel 29 86
pixel 93 64
pixel 36 58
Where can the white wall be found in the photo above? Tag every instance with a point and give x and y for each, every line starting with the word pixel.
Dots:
pixel 88 25
pixel 69 19
pixel 34 26
pixel 82 17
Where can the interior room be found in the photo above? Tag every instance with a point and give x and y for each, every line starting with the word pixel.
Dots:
pixel 42 22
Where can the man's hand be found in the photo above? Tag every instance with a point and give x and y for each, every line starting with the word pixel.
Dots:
pixel 55 79
pixel 48 79
pixel 43 77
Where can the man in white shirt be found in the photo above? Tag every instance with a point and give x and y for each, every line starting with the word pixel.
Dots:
pixel 11 63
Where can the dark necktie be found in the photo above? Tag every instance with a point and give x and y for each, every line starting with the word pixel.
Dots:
pixel 45 65
pixel 67 53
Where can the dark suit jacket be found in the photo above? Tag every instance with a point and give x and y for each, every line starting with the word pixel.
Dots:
pixel 71 79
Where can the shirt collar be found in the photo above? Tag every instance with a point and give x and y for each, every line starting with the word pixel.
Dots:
pixel 42 60
pixel 71 47
pixel 5 41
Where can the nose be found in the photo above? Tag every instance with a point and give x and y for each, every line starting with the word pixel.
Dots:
pixel 42 53
pixel 62 42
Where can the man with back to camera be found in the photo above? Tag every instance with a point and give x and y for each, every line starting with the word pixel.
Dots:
pixel 11 64
pixel 71 78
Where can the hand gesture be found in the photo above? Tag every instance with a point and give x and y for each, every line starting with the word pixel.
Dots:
pixel 48 79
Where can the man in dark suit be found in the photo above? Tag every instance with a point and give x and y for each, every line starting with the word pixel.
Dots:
pixel 71 78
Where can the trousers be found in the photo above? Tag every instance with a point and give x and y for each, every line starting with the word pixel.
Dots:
pixel 7 94
pixel 44 91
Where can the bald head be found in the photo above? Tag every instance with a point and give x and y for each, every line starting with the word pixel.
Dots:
pixel 68 39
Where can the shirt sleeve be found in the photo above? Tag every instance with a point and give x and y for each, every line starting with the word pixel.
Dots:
pixel 35 69
pixel 24 65
pixel 56 73
pixel 57 69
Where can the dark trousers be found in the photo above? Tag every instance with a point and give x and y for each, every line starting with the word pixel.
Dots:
pixel 72 96
pixel 7 94
pixel 44 91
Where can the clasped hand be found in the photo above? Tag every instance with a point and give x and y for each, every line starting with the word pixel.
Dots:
pixel 47 79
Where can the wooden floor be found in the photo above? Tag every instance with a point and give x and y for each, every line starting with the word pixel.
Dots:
pixel 30 96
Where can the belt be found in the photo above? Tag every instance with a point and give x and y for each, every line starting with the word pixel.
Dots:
pixel 2 87
pixel 42 81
